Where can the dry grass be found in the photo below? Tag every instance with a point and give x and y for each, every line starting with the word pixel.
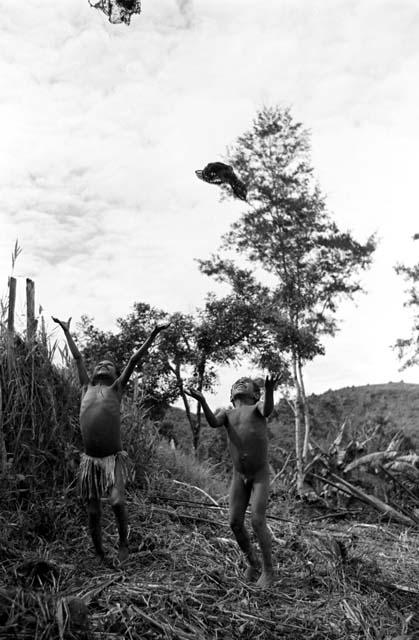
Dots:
pixel 184 578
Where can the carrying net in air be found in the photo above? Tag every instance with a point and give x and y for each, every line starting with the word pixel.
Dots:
pixel 117 10
pixel 220 173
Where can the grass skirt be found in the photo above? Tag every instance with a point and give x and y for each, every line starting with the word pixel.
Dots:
pixel 97 475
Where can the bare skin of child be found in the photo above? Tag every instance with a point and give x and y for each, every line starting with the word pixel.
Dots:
pixel 103 465
pixel 246 427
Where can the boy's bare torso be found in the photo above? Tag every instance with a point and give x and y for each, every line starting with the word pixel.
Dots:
pixel 248 439
pixel 100 420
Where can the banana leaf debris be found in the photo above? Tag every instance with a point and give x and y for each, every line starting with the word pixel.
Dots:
pixel 386 480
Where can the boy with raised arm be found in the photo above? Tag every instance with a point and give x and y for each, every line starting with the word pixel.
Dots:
pixel 103 466
pixel 247 432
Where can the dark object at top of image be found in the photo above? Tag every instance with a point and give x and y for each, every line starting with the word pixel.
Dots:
pixel 127 4
pixel 220 173
pixel 118 10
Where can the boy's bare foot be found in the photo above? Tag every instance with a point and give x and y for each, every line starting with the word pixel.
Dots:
pixel 251 573
pixel 100 554
pixel 99 561
pixel 123 553
pixel 266 580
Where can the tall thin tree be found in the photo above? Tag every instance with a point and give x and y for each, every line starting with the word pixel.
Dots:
pixel 288 233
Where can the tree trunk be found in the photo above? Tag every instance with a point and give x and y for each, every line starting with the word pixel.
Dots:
pixel 175 368
pixel 198 417
pixel 297 416
pixel 306 412
pixel 195 439
pixel 201 372
pixel 195 435
pixel 192 424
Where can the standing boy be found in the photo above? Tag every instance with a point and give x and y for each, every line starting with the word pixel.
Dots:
pixel 103 466
pixel 248 441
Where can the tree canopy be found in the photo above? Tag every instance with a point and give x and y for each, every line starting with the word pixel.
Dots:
pixel 285 255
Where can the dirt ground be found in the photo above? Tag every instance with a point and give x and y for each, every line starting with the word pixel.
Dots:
pixel 336 579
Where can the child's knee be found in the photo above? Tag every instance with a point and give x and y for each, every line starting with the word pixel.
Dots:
pixel 116 497
pixel 236 523
pixel 258 522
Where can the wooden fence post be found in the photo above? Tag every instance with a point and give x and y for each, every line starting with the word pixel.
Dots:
pixel 11 322
pixel 30 311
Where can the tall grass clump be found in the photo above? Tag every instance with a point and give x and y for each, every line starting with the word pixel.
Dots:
pixel 39 412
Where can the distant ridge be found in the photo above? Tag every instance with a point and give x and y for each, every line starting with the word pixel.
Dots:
pixel 393 405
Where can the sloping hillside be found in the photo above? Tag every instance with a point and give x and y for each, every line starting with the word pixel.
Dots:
pixel 393 406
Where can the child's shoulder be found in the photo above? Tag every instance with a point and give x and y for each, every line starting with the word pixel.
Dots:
pixel 222 411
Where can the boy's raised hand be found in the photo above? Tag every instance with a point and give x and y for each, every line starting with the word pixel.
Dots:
pixel 197 395
pixel 161 326
pixel 271 381
pixel 65 326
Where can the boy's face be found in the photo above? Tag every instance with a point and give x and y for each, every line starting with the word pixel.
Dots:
pixel 105 369
pixel 245 387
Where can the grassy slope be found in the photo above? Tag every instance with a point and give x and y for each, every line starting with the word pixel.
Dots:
pixel 184 578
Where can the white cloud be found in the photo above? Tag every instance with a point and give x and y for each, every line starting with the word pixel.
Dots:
pixel 103 125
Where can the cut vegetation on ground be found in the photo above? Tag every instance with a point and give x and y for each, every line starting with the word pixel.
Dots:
pixel 184 578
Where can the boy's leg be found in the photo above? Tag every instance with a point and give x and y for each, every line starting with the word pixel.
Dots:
pixel 94 512
pixel 239 499
pixel 117 500
pixel 259 504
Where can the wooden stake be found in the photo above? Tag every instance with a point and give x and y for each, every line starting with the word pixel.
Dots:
pixel 11 322
pixel 30 311
pixel 12 304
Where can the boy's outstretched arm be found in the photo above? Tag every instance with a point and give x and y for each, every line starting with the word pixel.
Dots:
pixel 267 405
pixel 139 354
pixel 83 375
pixel 213 420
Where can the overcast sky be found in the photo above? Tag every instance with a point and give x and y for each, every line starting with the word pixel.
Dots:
pixel 102 127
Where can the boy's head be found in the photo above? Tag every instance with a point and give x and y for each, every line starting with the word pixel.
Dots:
pixel 245 387
pixel 105 370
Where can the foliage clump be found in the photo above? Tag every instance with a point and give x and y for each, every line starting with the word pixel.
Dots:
pixel 39 409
